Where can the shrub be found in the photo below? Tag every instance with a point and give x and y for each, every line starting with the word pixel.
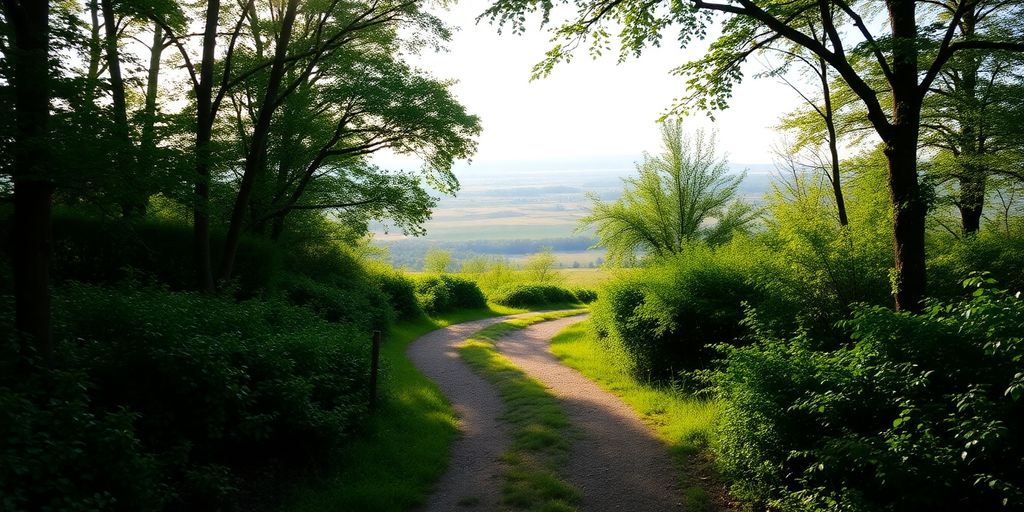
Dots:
pixel 400 291
pixel 922 412
pixel 360 302
pixel 442 293
pixel 100 251
pixel 1000 254
pixel 584 295
pixel 164 398
pixel 665 315
pixel 532 295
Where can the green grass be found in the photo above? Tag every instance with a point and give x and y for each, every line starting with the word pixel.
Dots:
pixel 541 431
pixel 405 447
pixel 683 422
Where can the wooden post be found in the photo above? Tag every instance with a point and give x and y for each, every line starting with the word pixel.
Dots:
pixel 374 367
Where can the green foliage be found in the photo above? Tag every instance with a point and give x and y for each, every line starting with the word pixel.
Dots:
pixel 663 316
pixel 672 201
pixel 921 412
pixel 95 250
pixel 164 397
pixel 358 303
pixel 437 261
pixel 399 289
pixel 813 268
pixel 445 293
pixel 584 295
pixel 540 268
pixel 532 295
pixel 1000 254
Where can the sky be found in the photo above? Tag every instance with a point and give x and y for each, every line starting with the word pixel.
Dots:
pixel 588 108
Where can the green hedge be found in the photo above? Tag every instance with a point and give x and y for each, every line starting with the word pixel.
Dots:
pixel 922 412
pixel 532 295
pixel 166 400
pixel 666 315
pixel 442 293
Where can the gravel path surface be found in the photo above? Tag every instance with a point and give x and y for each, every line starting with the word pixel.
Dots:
pixel 617 463
pixel 473 475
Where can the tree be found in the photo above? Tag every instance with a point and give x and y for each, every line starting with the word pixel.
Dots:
pixel 540 267
pixel 679 197
pixel 437 261
pixel 29 29
pixel 326 129
pixel 910 52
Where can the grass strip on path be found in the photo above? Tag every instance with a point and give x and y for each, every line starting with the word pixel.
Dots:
pixel 541 431
pixel 406 444
pixel 683 422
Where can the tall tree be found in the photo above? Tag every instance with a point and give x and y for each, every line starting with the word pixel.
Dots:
pixel 916 44
pixel 679 197
pixel 29 29
pixel 326 30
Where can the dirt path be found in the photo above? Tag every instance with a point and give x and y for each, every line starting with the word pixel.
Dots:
pixel 473 474
pixel 617 463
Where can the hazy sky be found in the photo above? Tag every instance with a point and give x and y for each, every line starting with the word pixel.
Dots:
pixel 587 108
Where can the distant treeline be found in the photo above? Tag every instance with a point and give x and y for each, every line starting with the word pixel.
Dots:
pixel 409 253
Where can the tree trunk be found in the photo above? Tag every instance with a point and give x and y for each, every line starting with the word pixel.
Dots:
pixel 152 88
pixel 133 202
pixel 972 199
pixel 95 54
pixel 833 144
pixel 33 190
pixel 204 130
pixel 901 152
pixel 254 160
pixel 972 178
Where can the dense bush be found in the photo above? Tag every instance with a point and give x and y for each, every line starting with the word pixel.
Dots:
pixel 400 291
pixel 584 295
pixel 359 302
pixel 532 295
pixel 445 292
pixel 665 315
pixel 922 412
pixel 999 253
pixel 93 250
pixel 166 399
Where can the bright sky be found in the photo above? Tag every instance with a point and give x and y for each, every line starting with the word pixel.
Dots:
pixel 587 108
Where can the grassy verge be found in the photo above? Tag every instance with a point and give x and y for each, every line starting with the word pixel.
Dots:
pixel 684 423
pixel 406 442
pixel 540 429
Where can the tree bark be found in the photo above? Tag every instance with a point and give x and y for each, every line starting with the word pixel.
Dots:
pixel 33 189
pixel 833 144
pixel 133 202
pixel 256 156
pixel 901 141
pixel 152 88
pixel 204 130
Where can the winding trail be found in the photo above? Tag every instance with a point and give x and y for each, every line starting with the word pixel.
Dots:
pixel 616 462
pixel 473 475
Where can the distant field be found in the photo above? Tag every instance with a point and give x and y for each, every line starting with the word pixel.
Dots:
pixel 585 277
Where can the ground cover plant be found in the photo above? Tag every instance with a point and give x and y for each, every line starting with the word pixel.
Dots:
pixel 183 397
pixel 920 412
pixel 541 432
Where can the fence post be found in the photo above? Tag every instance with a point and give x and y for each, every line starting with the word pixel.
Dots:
pixel 374 367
